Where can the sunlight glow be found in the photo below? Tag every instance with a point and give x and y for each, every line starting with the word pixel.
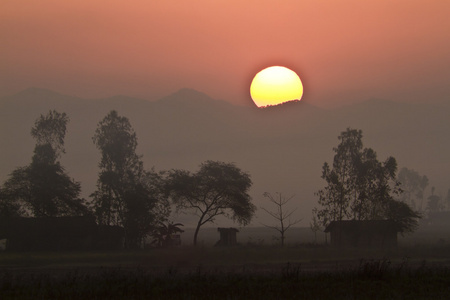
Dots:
pixel 275 85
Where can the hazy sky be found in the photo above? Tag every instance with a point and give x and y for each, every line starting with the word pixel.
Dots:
pixel 342 50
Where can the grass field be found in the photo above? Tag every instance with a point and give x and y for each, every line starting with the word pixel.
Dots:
pixel 374 280
pixel 252 270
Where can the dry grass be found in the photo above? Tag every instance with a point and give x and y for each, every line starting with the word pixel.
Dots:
pixel 249 271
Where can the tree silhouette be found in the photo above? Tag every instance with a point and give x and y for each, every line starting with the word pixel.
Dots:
pixel 51 130
pixel 43 188
pixel 360 187
pixel 281 214
pixel 162 234
pixel 125 194
pixel 218 188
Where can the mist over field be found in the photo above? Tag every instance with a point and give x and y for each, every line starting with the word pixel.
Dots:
pixel 282 148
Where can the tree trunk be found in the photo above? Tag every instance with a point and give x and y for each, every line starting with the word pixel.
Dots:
pixel 196 233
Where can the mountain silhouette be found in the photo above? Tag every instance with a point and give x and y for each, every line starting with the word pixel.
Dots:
pixel 283 148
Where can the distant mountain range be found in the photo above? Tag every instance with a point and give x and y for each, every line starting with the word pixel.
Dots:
pixel 282 147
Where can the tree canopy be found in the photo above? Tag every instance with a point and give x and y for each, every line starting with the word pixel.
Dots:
pixel 360 187
pixel 217 188
pixel 125 195
pixel 51 130
pixel 43 188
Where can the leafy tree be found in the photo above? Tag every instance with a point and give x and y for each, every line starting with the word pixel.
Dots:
pixel 360 187
pixel 8 207
pixel 413 186
pixel 43 188
pixel 404 217
pixel 126 194
pixel 51 130
pixel 218 188
pixel 280 214
pixel 339 193
pixel 376 186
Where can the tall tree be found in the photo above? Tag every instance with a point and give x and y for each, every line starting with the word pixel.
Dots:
pixel 43 188
pixel 125 194
pixel 339 193
pixel 281 214
pixel 218 188
pixel 360 187
pixel 51 130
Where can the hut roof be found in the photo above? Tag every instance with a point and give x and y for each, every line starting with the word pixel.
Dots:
pixel 220 229
pixel 366 225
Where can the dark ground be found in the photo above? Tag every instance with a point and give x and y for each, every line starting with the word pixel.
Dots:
pixel 256 269
pixel 242 272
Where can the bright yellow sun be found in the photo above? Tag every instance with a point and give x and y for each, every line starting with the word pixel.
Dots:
pixel 275 85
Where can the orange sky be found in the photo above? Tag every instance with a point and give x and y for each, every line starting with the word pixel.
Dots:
pixel 344 51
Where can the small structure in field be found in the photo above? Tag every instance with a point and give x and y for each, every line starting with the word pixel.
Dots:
pixel 227 236
pixel 363 234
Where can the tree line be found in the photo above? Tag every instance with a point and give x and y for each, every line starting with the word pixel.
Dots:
pixel 358 186
pixel 126 194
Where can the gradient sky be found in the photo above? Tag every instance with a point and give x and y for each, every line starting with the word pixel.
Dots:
pixel 344 51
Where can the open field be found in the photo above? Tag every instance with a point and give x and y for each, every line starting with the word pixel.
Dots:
pixel 418 269
pixel 243 272
pixel 372 280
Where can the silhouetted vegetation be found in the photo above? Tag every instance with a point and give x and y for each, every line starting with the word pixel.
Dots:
pixel 129 200
pixel 43 188
pixel 218 188
pixel 133 203
pixel 164 234
pixel 126 195
pixel 359 187
pixel 281 214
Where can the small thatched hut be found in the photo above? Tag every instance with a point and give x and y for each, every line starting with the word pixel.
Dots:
pixel 227 236
pixel 353 233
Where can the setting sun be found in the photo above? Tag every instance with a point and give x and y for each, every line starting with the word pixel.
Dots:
pixel 275 85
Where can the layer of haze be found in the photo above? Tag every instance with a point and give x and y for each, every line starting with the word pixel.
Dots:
pixel 283 148
pixel 344 51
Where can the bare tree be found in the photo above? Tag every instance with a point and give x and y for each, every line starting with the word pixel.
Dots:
pixel 282 215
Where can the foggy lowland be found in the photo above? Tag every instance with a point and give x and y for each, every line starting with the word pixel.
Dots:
pixel 143 157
